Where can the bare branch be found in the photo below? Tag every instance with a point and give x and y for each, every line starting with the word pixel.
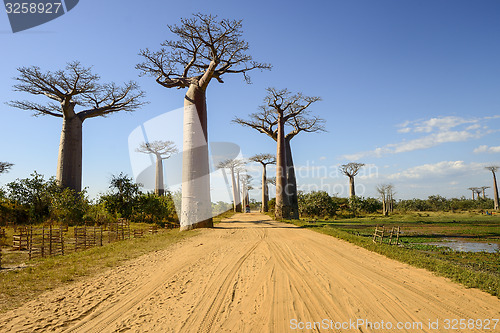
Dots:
pixel 110 98
pixel 295 113
pixel 206 48
pixel 49 109
pixel 75 86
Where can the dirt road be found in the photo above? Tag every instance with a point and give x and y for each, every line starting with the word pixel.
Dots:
pixel 250 274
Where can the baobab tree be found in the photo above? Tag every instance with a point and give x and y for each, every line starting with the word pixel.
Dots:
pixel 351 170
pixel 233 166
pixel 264 160
pixel 207 48
pixel 474 190
pixel 282 109
pixel 478 191
pixel 69 89
pixel 162 151
pixel 386 193
pixel 246 181
pixel 5 167
pixel 493 169
pixel 482 190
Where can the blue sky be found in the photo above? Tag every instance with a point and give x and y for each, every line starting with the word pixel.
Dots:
pixel 411 88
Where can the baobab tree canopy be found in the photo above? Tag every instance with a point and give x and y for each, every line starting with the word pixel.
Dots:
pixel 263 159
pixel 74 88
pixel 296 114
pixel 158 147
pixel 207 48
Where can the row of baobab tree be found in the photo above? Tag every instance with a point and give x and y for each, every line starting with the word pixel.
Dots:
pixel 205 49
pixel 480 190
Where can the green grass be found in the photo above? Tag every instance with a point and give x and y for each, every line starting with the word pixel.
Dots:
pixel 21 285
pixel 477 270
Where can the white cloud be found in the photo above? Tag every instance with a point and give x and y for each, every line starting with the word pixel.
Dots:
pixel 435 131
pixel 441 169
pixel 486 149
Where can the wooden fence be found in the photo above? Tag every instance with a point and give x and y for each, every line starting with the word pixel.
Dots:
pixel 88 236
pixel 52 239
pixel 45 241
pixel 20 238
pixel 393 235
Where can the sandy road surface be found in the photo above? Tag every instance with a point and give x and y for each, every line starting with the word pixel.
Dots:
pixel 250 274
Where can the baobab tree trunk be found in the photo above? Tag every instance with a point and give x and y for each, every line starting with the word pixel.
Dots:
pixel 236 201
pixel 291 183
pixel 495 190
pixel 159 185
pixel 281 210
pixel 238 193
pixel 69 161
pixel 265 190
pixel 352 191
pixel 196 204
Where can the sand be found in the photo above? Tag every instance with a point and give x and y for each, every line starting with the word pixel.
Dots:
pixel 251 274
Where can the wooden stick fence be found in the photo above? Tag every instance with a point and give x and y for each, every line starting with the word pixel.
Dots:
pixel 50 239
pixel 45 241
pixel 20 239
pixel 380 233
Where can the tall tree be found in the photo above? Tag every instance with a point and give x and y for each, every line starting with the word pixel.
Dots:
pixel 385 192
pixel 264 160
pixel 482 190
pixel 351 170
pixel 207 48
pixel 5 167
pixel 162 151
pixel 473 189
pixel 494 169
pixel 69 89
pixel 296 117
pixel 233 166
pixel 246 181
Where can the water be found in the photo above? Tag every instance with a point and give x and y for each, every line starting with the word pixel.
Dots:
pixel 457 245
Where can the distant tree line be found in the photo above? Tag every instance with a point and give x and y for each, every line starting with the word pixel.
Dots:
pixel 320 204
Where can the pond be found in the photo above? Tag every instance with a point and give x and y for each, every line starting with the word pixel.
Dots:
pixel 463 246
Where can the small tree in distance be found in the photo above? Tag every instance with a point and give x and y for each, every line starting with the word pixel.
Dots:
pixel 351 170
pixel 494 169
pixel 233 166
pixel 162 151
pixel 264 160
